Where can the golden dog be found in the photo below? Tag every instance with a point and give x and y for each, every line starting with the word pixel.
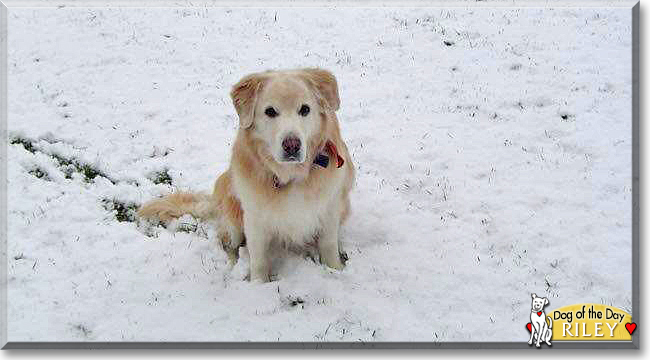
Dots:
pixel 290 173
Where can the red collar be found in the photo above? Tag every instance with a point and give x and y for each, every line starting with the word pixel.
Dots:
pixel 323 159
pixel 331 148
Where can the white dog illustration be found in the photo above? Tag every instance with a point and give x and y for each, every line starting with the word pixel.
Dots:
pixel 538 322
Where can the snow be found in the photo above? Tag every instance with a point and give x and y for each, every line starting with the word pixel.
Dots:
pixel 493 154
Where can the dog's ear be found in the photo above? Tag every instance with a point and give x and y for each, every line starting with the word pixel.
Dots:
pixel 325 84
pixel 534 295
pixel 545 301
pixel 244 96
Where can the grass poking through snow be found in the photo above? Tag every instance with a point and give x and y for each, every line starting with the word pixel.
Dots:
pixel 161 177
pixel 39 173
pixel 26 143
pixel 124 212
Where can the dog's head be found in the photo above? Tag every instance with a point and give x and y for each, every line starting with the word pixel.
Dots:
pixel 538 302
pixel 286 111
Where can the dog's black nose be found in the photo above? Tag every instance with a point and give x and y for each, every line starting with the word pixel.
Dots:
pixel 291 146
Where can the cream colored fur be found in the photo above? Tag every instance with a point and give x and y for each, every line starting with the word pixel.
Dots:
pixel 311 202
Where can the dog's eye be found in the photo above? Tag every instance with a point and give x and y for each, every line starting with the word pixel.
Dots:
pixel 304 110
pixel 270 112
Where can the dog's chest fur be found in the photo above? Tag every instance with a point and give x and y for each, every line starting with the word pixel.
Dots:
pixel 295 213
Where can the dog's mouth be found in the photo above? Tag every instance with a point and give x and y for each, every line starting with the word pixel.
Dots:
pixel 282 157
pixel 291 159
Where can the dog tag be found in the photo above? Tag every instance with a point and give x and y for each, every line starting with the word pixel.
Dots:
pixel 322 160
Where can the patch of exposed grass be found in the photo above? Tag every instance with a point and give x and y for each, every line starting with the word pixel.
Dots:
pixel 65 165
pixel 39 173
pixel 294 301
pixel 161 177
pixel 187 227
pixel 61 160
pixel 124 212
pixel 89 172
pixel 69 166
pixel 26 143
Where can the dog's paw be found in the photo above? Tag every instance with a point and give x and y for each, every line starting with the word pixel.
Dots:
pixel 548 343
pixel 530 342
pixel 259 278
pixel 336 265
pixel 333 262
pixel 537 345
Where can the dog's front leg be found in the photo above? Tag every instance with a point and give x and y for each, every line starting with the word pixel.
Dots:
pixel 257 243
pixel 532 333
pixel 328 242
pixel 547 334
pixel 538 329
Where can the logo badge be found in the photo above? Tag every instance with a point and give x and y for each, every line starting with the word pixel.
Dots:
pixel 579 322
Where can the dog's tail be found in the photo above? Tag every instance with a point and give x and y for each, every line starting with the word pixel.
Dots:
pixel 550 322
pixel 175 205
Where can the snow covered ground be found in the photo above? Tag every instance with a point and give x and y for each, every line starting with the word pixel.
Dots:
pixel 493 149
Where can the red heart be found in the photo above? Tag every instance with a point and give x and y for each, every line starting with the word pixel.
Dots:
pixel 539 313
pixel 529 326
pixel 630 327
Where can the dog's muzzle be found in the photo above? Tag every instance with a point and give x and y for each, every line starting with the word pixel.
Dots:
pixel 291 147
